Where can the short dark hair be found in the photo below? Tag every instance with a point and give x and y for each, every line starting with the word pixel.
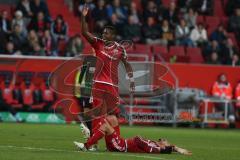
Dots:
pixel 112 29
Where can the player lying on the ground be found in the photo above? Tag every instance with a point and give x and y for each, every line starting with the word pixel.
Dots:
pixel 109 128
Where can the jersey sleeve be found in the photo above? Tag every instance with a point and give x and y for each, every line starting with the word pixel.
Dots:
pixel 96 43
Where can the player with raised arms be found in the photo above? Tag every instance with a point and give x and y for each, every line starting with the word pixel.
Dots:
pixel 109 54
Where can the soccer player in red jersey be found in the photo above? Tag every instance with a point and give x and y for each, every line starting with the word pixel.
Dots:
pixel 108 127
pixel 109 54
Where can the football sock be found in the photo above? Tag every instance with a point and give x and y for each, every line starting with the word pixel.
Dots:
pixel 89 125
pixel 117 129
pixel 97 135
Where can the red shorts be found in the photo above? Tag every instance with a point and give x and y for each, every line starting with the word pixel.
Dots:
pixel 115 143
pixel 105 102
pixel 105 98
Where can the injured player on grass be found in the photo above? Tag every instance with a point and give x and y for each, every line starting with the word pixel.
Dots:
pixel 109 128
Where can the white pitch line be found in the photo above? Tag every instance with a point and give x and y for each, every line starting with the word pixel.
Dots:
pixel 38 149
pixel 96 153
pixel 136 156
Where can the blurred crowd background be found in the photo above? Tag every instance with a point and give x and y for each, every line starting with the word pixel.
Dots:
pixel 212 27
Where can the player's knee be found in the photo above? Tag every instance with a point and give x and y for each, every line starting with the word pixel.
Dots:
pixel 112 120
pixel 109 129
pixel 104 127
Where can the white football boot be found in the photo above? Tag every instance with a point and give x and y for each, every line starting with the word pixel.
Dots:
pixel 93 148
pixel 80 146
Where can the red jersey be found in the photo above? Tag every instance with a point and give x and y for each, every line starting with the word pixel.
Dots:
pixel 108 61
pixel 115 143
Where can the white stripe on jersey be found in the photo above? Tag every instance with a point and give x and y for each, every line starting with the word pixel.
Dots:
pixel 105 83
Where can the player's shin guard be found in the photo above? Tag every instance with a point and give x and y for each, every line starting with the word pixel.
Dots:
pixel 97 135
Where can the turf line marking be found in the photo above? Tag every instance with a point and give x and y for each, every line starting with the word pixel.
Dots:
pixel 132 155
pixel 38 149
pixel 96 153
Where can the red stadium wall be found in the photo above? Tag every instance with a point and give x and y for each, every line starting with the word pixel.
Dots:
pixel 29 65
pixel 200 76
pixel 189 75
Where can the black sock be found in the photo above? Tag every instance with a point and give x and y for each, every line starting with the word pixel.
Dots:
pixel 89 125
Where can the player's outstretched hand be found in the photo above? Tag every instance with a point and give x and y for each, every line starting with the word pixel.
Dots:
pixel 183 151
pixel 84 10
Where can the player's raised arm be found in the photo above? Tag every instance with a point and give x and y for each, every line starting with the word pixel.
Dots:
pixel 129 71
pixel 85 32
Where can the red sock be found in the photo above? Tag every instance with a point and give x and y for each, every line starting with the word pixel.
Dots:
pixel 95 138
pixel 96 123
pixel 117 129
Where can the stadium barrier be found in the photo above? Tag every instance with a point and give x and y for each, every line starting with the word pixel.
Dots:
pixel 33 117
pixel 208 113
pixel 189 75
pixel 149 73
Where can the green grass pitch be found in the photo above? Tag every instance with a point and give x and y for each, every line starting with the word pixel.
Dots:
pixel 55 142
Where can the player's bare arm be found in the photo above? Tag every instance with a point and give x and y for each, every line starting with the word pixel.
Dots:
pixel 84 29
pixel 129 71
pixel 164 142
pixel 182 151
